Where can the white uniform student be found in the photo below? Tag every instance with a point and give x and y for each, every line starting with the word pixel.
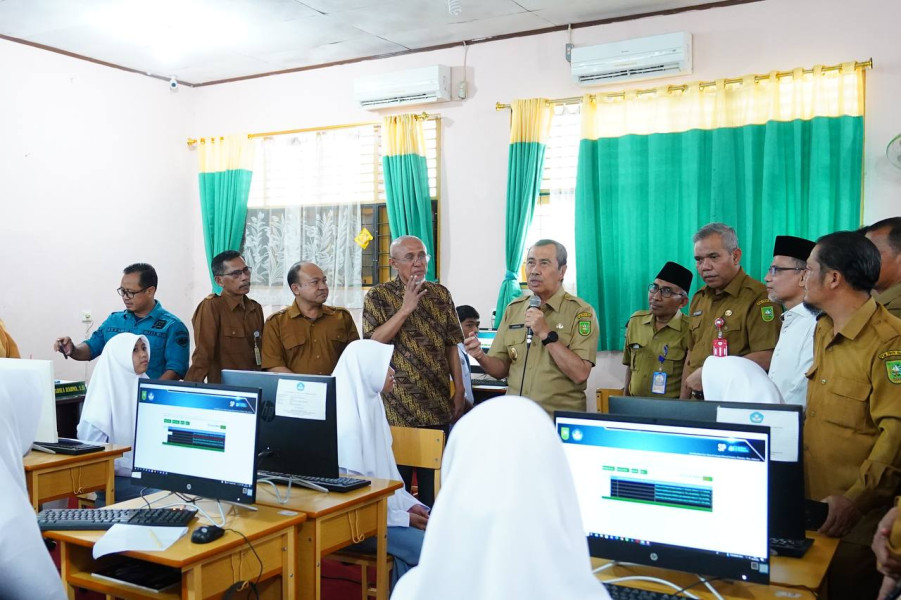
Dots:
pixel 26 570
pixel 111 403
pixel 737 379
pixel 364 445
pixel 526 541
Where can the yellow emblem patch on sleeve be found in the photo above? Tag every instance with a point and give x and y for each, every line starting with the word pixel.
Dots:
pixel 885 355
pixel 583 315
pixel 764 301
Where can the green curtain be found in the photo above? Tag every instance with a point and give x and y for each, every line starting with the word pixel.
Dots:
pixel 226 169
pixel 409 202
pixel 640 198
pixel 530 126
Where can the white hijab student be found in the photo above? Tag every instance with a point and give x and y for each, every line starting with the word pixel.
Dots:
pixel 526 540
pixel 364 444
pixel 110 405
pixel 26 570
pixel 737 379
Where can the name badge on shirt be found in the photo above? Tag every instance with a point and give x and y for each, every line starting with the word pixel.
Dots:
pixel 517 326
pixel 658 382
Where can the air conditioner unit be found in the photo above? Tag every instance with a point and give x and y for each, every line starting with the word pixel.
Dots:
pixel 412 86
pixel 641 58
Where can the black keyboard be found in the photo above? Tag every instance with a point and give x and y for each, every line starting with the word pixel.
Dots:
pixel 104 518
pixel 621 592
pixel 64 446
pixel 332 484
pixel 789 547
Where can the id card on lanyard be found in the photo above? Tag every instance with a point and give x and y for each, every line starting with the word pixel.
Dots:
pixel 720 344
pixel 658 379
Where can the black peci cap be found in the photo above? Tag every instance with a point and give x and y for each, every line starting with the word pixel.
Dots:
pixel 676 274
pixel 795 247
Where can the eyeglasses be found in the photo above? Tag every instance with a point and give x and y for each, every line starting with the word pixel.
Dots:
pixel 236 273
pixel 773 270
pixel 414 258
pixel 128 294
pixel 666 292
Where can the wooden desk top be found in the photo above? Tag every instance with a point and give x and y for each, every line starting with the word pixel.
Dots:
pixel 318 504
pixel 728 589
pixel 36 459
pixel 809 570
pixel 253 524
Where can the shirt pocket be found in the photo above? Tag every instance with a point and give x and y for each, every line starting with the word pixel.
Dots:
pixel 635 351
pixel 515 340
pixel 674 359
pixel 338 340
pixel 846 404
pixel 233 337
pixel 294 339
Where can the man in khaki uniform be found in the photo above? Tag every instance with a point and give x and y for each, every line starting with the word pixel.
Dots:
pixel 308 336
pixel 852 433
pixel 749 320
pixel 886 235
pixel 227 326
pixel 657 339
pixel 553 368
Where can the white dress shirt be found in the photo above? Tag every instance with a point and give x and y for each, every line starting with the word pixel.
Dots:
pixel 467 374
pixel 793 354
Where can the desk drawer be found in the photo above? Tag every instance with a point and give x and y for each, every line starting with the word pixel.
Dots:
pixel 68 481
pixel 221 572
pixel 336 530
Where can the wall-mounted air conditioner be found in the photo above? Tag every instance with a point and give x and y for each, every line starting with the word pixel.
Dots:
pixel 412 86
pixel 642 58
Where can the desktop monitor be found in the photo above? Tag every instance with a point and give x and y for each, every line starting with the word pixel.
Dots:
pixel 681 495
pixel 786 423
pixel 298 422
pixel 197 438
pixel 32 381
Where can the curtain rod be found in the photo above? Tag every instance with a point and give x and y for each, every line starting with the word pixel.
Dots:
pixel 867 64
pixel 192 141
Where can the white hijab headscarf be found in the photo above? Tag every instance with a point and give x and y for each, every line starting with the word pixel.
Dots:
pixel 737 379
pixel 527 540
pixel 26 568
pixel 111 402
pixel 364 437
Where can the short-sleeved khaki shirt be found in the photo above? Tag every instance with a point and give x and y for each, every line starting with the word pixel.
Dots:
pixel 645 346
pixel 306 346
pixel 577 327
pixel 891 299
pixel 224 328
pixel 852 431
pixel 752 320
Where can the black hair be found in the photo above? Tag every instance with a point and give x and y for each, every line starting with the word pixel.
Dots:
pixel 852 255
pixel 147 274
pixel 220 259
pixel 294 273
pixel 894 231
pixel 465 311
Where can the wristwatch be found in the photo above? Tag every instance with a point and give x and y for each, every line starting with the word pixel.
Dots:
pixel 550 338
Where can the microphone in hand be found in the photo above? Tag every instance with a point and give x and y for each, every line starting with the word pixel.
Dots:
pixel 534 302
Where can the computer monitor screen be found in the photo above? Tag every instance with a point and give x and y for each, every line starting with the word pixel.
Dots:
pixel 787 519
pixel 32 381
pixel 198 439
pixel 298 422
pixel 681 495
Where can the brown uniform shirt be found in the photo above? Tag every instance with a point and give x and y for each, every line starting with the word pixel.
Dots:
pixel 422 394
pixel 306 346
pixel 891 299
pixel 644 347
pixel 8 347
pixel 574 322
pixel 852 432
pixel 224 328
pixel 752 321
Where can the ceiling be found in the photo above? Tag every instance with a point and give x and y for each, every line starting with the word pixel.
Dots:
pixel 205 41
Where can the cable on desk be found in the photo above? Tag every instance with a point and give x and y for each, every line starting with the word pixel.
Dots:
pixel 697 583
pixel 278 497
pixel 654 579
pixel 242 585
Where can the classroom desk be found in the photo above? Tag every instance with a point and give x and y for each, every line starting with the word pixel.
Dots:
pixel 481 393
pixel 207 569
pixel 52 476
pixel 334 521
pixel 796 578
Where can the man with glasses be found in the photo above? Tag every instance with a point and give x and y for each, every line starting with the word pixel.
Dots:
pixel 419 319
pixel 731 315
pixel 143 315
pixel 308 336
pixel 657 339
pixel 852 431
pixel 794 350
pixel 547 342
pixel 227 326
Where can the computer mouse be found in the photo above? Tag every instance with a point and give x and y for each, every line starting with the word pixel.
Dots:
pixel 206 534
